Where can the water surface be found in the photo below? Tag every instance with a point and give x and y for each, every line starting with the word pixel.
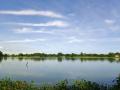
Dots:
pixel 53 70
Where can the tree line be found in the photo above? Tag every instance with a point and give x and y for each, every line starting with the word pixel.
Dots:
pixel 3 55
pixel 82 54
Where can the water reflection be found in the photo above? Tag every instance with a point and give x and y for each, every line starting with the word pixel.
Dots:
pixel 52 69
pixel 60 59
pixel 1 59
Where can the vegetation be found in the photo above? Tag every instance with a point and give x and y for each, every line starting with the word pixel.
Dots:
pixel 67 55
pixel 1 54
pixel 8 84
pixel 110 55
pixel 60 56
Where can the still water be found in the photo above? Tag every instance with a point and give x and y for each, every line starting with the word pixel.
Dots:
pixel 53 70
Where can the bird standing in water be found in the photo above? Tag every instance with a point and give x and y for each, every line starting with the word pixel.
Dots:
pixel 27 65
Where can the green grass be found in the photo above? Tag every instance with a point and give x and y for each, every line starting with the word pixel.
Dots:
pixel 8 84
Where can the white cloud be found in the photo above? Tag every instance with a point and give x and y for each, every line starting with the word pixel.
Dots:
pixel 48 24
pixel 30 30
pixel 32 13
pixel 25 41
pixel 1 47
pixel 109 21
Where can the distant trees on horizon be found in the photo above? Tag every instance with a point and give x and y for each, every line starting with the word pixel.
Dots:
pixel 82 54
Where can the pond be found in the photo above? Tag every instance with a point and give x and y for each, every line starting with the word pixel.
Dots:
pixel 54 70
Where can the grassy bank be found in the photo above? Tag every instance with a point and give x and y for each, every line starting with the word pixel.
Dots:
pixel 8 84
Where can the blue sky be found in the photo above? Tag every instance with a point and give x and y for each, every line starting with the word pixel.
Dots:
pixel 51 26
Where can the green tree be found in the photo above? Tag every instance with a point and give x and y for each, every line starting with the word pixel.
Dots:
pixel 60 54
pixel 1 54
pixel 20 55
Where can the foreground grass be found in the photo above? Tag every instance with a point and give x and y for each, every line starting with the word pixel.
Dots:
pixel 8 84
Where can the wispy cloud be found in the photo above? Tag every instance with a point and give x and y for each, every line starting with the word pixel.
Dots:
pixel 30 30
pixel 25 41
pixel 47 24
pixel 74 40
pixel 32 13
